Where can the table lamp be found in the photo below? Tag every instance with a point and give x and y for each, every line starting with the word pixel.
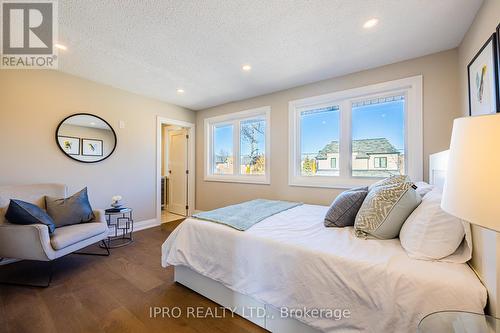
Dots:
pixel 473 175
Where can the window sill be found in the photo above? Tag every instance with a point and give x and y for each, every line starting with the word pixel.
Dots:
pixel 260 180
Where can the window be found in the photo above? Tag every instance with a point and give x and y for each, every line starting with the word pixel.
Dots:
pixel 253 147
pixel 223 150
pixel 237 147
pixel 333 163
pixel 378 136
pixel 319 131
pixel 357 136
pixel 380 163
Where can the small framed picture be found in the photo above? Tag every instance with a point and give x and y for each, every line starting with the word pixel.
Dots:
pixel 92 147
pixel 482 74
pixel 498 66
pixel 70 145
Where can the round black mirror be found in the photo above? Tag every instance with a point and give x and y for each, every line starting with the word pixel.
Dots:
pixel 86 138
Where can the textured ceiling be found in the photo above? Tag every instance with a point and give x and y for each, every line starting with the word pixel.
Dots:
pixel 154 47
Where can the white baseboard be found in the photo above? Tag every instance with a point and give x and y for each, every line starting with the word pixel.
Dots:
pixel 7 261
pixel 146 224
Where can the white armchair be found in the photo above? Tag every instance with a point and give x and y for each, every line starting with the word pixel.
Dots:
pixel 33 242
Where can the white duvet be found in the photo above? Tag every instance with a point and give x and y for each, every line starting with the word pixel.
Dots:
pixel 290 259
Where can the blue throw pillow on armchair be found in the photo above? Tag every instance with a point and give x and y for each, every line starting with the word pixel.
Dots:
pixel 21 212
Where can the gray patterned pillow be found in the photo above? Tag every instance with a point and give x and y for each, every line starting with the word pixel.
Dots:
pixel 390 180
pixel 344 208
pixel 385 209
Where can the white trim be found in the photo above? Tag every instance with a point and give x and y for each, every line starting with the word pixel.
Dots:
pixel 235 119
pixel 191 162
pixel 146 224
pixel 412 89
pixel 6 261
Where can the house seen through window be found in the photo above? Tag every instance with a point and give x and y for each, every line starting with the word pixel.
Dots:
pixel 353 137
pixel 319 132
pixel 378 144
pixel 377 139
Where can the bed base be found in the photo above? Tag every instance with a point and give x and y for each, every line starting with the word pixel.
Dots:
pixel 261 314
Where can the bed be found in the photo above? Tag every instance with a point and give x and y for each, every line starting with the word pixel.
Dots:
pixel 288 264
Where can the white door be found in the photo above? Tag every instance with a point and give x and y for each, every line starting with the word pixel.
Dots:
pixel 177 172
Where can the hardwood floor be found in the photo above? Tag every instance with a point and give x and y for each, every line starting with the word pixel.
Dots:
pixel 167 217
pixel 112 294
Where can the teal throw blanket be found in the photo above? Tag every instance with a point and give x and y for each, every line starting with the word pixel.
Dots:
pixel 244 215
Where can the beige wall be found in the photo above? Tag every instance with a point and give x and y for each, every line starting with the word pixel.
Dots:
pixel 441 105
pixel 486 255
pixel 485 23
pixel 33 102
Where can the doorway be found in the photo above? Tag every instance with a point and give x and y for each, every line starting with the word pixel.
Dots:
pixel 175 170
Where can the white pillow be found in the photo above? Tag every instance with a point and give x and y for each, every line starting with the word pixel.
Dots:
pixel 423 188
pixel 430 233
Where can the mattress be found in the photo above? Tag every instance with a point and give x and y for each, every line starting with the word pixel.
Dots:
pixel 291 260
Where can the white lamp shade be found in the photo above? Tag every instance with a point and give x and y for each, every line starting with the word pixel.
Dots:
pixel 473 176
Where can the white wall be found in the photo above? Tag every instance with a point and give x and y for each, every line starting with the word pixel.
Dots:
pixel 33 102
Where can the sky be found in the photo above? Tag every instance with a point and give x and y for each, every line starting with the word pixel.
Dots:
pixel 371 121
pixel 223 140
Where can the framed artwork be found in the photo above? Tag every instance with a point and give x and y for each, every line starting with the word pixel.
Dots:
pixel 91 147
pixel 482 73
pixel 498 65
pixel 70 145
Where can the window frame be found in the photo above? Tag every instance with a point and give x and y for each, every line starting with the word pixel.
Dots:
pixel 235 119
pixel 410 87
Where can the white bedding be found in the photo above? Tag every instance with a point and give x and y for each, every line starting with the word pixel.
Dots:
pixel 290 259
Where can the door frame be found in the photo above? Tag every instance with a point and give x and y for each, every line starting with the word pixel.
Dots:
pixel 191 162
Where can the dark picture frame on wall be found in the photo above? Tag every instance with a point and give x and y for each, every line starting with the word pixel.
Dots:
pixel 498 65
pixel 482 77
pixel 92 147
pixel 69 144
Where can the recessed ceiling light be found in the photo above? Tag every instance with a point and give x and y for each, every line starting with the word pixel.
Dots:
pixel 246 68
pixel 60 47
pixel 370 23
pixel 180 91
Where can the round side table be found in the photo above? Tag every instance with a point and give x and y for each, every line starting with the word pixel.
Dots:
pixel 458 322
pixel 121 224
